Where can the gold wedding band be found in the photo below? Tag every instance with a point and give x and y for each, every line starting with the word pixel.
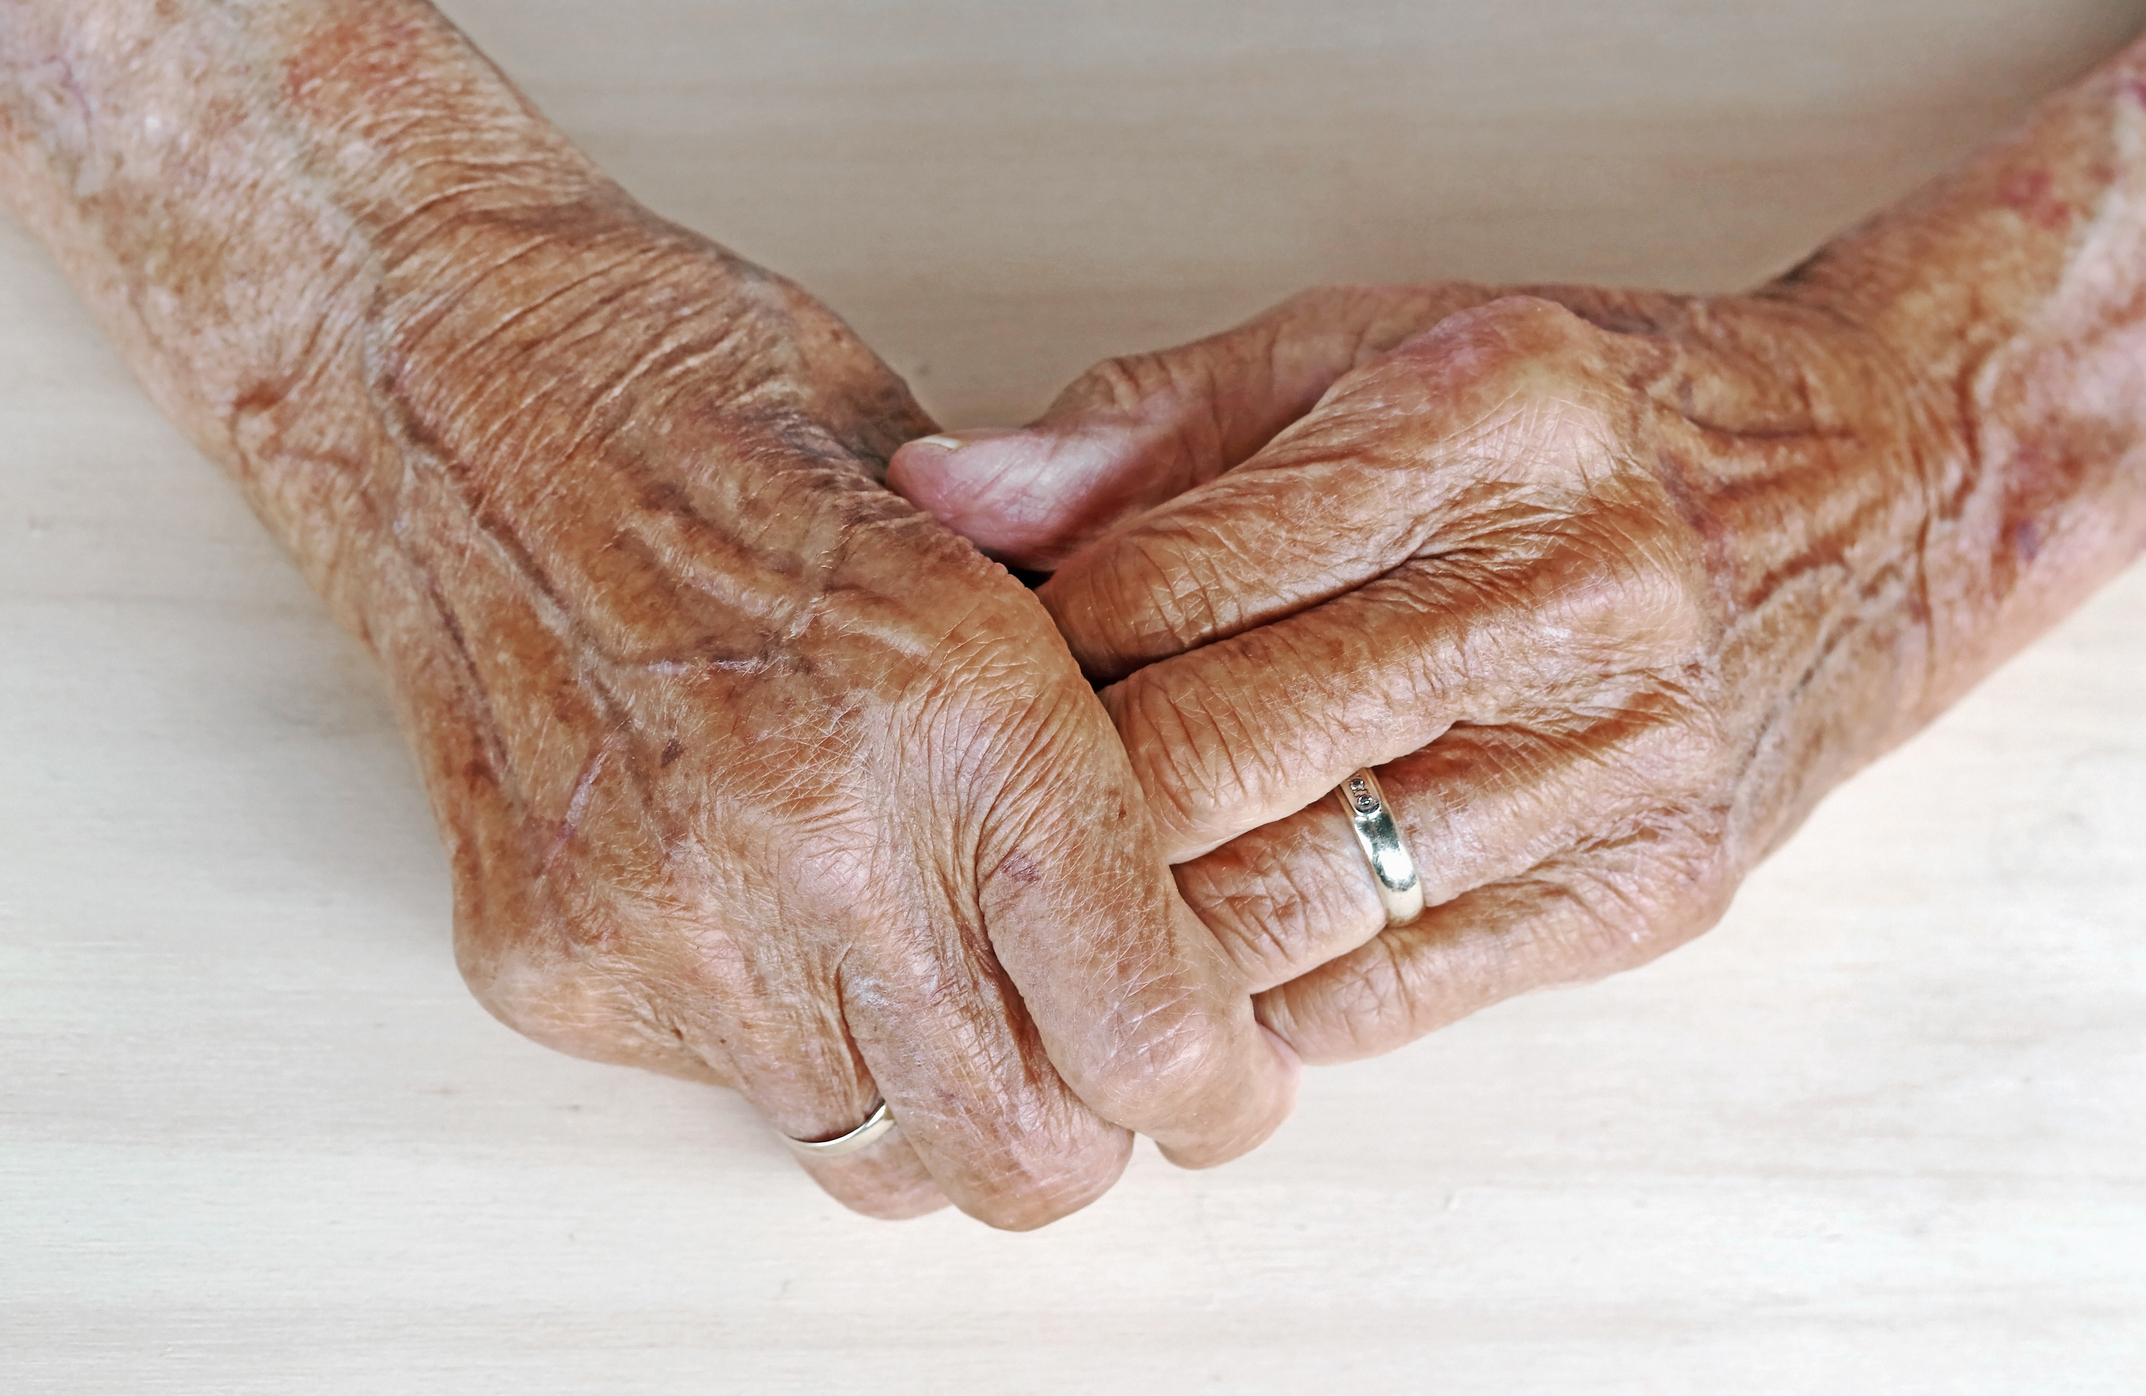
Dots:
pixel 878 1124
pixel 1393 867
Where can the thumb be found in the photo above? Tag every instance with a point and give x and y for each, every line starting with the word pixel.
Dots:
pixel 1133 432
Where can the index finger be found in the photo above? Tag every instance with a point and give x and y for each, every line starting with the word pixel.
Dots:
pixel 1466 426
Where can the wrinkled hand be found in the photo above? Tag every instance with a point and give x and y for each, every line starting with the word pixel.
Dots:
pixel 757 774
pixel 1609 586
pixel 749 771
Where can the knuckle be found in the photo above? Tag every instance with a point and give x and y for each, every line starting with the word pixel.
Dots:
pixel 1318 302
pixel 560 1005
pixel 1182 1071
pixel 1520 382
pixel 1034 1179
pixel 1517 340
pixel 1123 383
pixel 1570 331
pixel 602 987
pixel 1635 894
pixel 1258 923
pixel 1609 929
pixel 1662 613
pixel 1162 1066
pixel 1374 996
pixel 508 980
pixel 1644 750
pixel 1605 590
pixel 1663 581
pixel 1685 742
pixel 1159 594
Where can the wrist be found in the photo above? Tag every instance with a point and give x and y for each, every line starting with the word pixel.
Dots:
pixel 2008 296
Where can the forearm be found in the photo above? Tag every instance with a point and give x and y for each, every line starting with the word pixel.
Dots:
pixel 314 226
pixel 236 191
pixel 2012 295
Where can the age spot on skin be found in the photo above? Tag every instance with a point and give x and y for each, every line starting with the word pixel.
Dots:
pixel 2032 195
pixel 337 68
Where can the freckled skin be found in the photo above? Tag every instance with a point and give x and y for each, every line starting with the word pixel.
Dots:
pixel 1612 586
pixel 750 772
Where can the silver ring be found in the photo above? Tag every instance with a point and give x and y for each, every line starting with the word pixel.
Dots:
pixel 864 1136
pixel 1393 867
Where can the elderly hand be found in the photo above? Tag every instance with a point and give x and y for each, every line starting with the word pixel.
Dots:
pixel 750 772
pixel 1612 586
pixel 1596 579
pixel 755 773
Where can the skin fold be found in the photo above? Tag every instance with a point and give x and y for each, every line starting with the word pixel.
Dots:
pixel 750 771
pixel 1612 587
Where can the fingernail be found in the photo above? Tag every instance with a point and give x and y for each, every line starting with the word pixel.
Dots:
pixel 964 436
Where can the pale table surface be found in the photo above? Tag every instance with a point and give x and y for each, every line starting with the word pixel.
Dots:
pixel 1883 1131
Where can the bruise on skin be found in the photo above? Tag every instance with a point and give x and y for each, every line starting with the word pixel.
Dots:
pixel 1021 868
pixel 2047 475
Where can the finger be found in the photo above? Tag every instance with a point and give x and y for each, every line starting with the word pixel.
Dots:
pixel 794 1058
pixel 1469 434
pixel 1477 806
pixel 1135 431
pixel 1250 729
pixel 895 997
pixel 1135 1004
pixel 972 1090
pixel 887 1181
pixel 1027 1001
pixel 1570 921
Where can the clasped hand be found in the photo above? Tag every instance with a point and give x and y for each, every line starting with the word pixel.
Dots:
pixel 1602 583
pixel 756 770
pixel 1599 581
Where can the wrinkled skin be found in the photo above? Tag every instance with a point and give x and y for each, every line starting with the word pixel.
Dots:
pixel 754 774
pixel 750 772
pixel 1612 587
pixel 1506 563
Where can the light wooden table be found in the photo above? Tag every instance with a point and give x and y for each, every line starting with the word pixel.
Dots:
pixel 1884 1131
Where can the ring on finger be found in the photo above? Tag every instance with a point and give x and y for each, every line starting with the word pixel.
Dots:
pixel 1393 867
pixel 876 1125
